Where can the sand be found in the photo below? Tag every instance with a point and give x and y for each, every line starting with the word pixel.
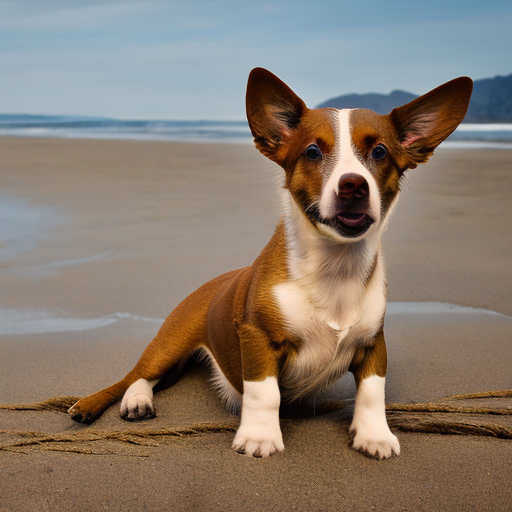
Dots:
pixel 101 239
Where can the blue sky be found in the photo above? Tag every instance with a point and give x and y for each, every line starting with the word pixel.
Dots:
pixel 189 59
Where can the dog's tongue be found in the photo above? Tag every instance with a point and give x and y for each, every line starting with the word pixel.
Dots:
pixel 352 219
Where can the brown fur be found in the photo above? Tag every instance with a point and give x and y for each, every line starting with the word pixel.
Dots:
pixel 235 316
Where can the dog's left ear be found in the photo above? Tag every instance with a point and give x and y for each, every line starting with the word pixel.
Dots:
pixel 425 122
pixel 273 112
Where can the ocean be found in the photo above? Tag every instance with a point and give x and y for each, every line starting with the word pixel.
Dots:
pixel 12 125
pixel 105 128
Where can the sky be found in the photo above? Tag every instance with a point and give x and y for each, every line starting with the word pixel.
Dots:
pixel 189 59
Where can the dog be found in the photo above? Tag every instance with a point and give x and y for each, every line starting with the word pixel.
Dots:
pixel 311 307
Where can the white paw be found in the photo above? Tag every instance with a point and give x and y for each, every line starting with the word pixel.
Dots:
pixel 375 440
pixel 137 403
pixel 257 443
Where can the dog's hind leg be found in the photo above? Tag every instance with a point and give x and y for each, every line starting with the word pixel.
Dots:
pixel 89 409
pixel 137 403
pixel 162 356
pixel 181 335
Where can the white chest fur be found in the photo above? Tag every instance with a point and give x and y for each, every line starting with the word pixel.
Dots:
pixel 328 302
pixel 329 336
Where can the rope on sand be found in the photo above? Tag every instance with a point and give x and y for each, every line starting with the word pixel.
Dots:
pixel 63 403
pixel 57 403
pixel 446 408
pixel 504 393
pixel 425 424
pixel 440 417
pixel 427 418
pixel 140 437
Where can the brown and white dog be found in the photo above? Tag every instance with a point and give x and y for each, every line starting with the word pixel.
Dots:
pixel 311 307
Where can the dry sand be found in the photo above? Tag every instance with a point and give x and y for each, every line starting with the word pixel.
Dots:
pixel 101 239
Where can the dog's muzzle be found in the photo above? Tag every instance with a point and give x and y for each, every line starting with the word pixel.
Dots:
pixel 351 206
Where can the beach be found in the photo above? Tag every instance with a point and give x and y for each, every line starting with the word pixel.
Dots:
pixel 101 239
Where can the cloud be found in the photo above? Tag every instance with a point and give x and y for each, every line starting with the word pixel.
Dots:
pixel 182 60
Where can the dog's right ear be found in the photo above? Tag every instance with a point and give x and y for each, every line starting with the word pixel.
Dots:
pixel 273 112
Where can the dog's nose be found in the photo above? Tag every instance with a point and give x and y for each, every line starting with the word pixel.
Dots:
pixel 353 186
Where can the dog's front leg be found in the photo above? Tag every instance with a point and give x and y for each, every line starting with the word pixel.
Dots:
pixel 259 434
pixel 369 426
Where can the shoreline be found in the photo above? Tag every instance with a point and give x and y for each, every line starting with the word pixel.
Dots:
pixel 22 322
pixel 477 136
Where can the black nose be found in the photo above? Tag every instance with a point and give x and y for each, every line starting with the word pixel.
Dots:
pixel 353 186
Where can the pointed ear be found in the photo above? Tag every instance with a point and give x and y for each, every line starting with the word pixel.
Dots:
pixel 424 123
pixel 273 112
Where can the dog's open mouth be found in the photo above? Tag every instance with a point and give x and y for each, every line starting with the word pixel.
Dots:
pixel 347 224
pixel 352 220
pixel 351 224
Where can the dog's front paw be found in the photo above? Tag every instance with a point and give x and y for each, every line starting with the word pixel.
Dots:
pixel 139 407
pixel 376 441
pixel 257 443
pixel 137 403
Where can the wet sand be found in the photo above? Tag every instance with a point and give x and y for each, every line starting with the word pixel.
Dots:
pixel 111 235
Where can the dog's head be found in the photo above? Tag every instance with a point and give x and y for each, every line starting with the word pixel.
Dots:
pixel 343 167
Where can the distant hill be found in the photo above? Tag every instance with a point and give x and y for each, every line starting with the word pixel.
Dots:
pixel 491 101
pixel 380 103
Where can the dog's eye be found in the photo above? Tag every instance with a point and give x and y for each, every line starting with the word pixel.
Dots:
pixel 379 152
pixel 313 152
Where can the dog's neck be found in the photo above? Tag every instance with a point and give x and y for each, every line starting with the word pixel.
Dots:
pixel 310 252
pixel 332 273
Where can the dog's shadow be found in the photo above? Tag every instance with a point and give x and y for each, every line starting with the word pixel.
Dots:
pixel 339 396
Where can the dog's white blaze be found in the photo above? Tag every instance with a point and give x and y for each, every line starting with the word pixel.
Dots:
pixel 138 396
pixel 372 434
pixel 228 394
pixel 348 163
pixel 259 433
